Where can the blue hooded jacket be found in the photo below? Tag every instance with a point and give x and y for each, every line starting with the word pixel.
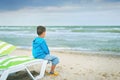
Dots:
pixel 39 48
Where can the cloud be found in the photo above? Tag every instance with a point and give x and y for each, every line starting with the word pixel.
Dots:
pixel 12 5
pixel 67 8
pixel 60 16
pixel 19 4
pixel 60 12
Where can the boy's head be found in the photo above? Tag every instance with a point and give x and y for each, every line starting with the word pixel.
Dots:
pixel 41 30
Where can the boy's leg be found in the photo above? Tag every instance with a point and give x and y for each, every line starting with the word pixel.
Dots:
pixel 54 61
pixel 52 68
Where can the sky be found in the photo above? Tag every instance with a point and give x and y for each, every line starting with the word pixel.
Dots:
pixel 59 12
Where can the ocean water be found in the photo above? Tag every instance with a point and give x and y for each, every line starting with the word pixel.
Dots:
pixel 79 38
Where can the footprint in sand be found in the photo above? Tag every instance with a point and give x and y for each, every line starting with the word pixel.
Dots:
pixel 105 75
pixel 112 74
pixel 71 67
pixel 76 73
pixel 118 75
pixel 83 74
pixel 118 72
pixel 115 78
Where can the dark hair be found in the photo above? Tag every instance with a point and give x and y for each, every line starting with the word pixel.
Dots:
pixel 40 30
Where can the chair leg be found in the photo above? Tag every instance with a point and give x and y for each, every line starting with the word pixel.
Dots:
pixel 30 73
pixel 43 68
pixel 4 75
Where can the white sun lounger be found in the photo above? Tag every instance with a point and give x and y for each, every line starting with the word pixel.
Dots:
pixel 12 64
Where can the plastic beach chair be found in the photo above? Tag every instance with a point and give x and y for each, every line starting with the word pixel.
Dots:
pixel 12 64
pixel 6 48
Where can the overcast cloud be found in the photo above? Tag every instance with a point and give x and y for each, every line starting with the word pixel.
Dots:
pixel 59 12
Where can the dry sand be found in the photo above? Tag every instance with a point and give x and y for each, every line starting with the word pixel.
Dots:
pixel 77 66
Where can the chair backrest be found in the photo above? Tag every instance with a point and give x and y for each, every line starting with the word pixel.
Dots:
pixel 6 48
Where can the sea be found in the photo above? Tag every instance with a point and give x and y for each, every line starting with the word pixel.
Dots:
pixel 104 39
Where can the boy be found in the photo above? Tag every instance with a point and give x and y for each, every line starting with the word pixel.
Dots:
pixel 40 49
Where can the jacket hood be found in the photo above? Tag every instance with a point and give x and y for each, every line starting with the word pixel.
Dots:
pixel 37 41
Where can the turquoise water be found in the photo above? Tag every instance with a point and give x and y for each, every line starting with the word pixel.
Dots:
pixel 80 38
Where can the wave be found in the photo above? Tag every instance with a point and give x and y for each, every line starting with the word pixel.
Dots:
pixel 97 30
pixel 78 38
pixel 116 50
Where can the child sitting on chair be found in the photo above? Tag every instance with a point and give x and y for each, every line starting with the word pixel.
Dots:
pixel 40 49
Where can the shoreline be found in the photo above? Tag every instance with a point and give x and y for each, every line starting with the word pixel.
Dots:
pixel 77 52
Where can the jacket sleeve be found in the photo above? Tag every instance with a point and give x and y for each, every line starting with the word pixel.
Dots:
pixel 45 47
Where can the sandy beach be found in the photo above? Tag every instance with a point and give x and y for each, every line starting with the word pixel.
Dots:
pixel 78 66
